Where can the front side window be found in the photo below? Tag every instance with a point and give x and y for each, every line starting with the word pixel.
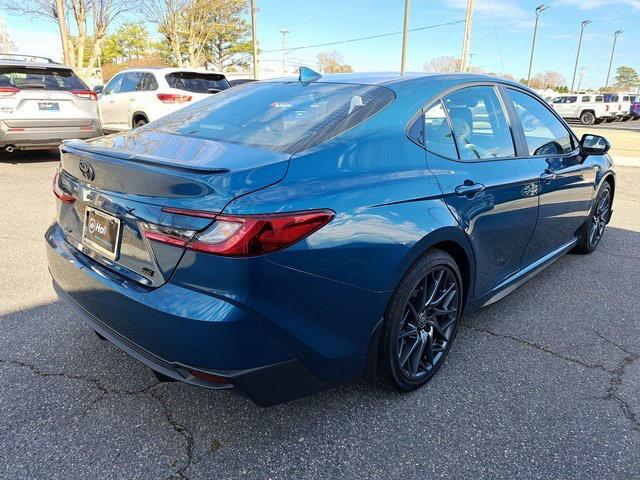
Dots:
pixel 282 116
pixel 586 98
pixel 599 98
pixel 130 81
pixel 437 132
pixel 544 133
pixel 479 124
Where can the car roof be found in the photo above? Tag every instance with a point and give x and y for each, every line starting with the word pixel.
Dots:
pixel 6 62
pixel 394 79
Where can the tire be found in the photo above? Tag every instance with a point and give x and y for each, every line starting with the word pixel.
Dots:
pixel 433 281
pixel 588 238
pixel 139 121
pixel 611 119
pixel 587 118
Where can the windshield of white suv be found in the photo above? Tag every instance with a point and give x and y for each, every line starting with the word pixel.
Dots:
pixel 287 117
pixel 40 78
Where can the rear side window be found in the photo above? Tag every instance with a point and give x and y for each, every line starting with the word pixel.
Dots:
pixel 437 132
pixel 544 133
pixel 197 82
pixel 586 98
pixel 287 117
pixel 479 124
pixel 599 98
pixel 147 82
pixel 40 78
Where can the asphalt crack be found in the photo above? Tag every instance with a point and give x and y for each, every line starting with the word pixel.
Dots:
pixel 103 390
pixel 616 374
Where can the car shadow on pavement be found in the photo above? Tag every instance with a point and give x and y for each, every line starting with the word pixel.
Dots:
pixel 30 156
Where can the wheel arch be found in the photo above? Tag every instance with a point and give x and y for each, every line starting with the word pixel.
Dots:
pixel 451 240
pixel 138 114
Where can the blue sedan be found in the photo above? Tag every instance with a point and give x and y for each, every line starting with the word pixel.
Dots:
pixel 285 236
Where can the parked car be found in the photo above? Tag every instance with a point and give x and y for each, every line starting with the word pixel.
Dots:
pixel 42 103
pixel 588 108
pixel 620 106
pixel 133 98
pixel 286 236
pixel 634 110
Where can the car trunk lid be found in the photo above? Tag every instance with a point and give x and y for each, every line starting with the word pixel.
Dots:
pixel 132 179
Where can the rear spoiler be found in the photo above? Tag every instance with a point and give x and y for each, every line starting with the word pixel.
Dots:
pixel 79 147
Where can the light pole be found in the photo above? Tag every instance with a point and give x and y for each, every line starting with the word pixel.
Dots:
pixel 403 60
pixel 467 37
pixel 539 10
pixel 284 33
pixel 575 68
pixel 254 40
pixel 613 49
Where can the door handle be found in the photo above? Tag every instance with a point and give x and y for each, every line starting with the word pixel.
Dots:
pixel 469 188
pixel 548 175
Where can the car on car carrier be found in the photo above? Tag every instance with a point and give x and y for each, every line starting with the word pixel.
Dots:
pixel 585 107
pixel 42 103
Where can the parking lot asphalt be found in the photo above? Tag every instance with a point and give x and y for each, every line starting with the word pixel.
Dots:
pixel 543 384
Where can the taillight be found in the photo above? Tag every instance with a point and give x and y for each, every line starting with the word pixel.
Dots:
pixel 85 94
pixel 173 98
pixel 8 91
pixel 243 236
pixel 61 194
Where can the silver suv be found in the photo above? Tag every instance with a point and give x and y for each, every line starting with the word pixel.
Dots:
pixel 43 103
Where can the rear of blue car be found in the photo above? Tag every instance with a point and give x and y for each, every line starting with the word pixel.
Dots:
pixel 153 248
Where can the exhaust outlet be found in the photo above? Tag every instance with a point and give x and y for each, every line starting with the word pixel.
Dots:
pixel 9 148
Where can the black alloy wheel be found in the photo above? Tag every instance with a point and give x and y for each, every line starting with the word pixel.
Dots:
pixel 593 229
pixel 421 322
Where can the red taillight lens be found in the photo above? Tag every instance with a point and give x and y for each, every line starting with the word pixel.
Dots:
pixel 85 94
pixel 173 98
pixel 244 236
pixel 8 91
pixel 58 192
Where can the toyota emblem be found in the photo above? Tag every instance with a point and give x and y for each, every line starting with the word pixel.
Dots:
pixel 87 170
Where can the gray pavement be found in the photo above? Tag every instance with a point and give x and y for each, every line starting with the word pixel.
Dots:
pixel 542 385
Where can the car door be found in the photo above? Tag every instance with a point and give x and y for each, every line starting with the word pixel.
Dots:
pixel 124 100
pixel 491 192
pixel 107 102
pixel 567 182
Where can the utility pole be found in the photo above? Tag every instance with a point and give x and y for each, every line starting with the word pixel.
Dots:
pixel 582 70
pixel 284 33
pixel 539 10
pixel 464 65
pixel 254 39
pixel 613 49
pixel 575 68
pixel 405 32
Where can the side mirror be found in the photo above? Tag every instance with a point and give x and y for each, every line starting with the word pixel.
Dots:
pixel 98 89
pixel 594 144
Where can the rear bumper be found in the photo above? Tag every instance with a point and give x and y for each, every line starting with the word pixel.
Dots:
pixel 175 331
pixel 40 134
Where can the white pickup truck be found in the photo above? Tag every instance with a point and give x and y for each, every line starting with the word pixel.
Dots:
pixel 589 108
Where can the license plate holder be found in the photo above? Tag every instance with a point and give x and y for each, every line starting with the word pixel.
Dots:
pixel 49 106
pixel 101 232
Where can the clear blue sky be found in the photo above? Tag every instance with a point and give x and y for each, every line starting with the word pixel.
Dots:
pixel 502 32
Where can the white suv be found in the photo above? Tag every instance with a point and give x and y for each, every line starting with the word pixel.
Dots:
pixel 586 107
pixel 135 97
pixel 43 103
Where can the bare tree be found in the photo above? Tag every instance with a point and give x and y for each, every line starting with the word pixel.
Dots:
pixel 332 62
pixel 548 79
pixel 168 16
pixel 442 65
pixel 89 18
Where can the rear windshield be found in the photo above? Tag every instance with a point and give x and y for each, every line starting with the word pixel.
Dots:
pixel 40 78
pixel 287 117
pixel 197 82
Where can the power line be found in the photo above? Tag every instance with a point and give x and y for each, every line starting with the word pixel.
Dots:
pixel 363 38
pixel 495 33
